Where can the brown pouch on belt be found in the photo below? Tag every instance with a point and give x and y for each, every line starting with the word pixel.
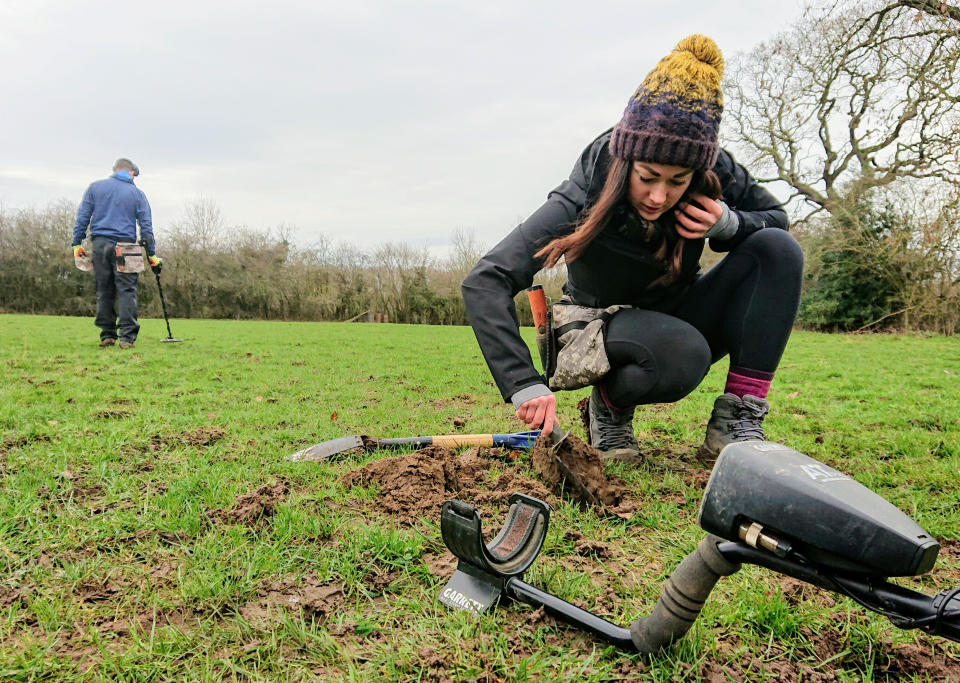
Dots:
pixel 130 258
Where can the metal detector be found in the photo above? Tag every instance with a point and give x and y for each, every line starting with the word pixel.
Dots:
pixel 765 504
pixel 163 303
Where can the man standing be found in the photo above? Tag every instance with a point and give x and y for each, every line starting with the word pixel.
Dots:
pixel 112 208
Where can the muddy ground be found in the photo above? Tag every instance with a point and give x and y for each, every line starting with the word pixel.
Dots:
pixel 416 485
pixel 412 487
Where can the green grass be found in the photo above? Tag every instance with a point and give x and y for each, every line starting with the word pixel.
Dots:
pixel 113 563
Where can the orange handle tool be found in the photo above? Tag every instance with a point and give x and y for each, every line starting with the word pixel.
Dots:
pixel 541 320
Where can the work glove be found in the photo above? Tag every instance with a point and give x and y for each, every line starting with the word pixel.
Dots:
pixel 156 263
pixel 78 251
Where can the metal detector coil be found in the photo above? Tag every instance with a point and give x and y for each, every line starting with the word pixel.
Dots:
pixel 828 517
pixel 483 569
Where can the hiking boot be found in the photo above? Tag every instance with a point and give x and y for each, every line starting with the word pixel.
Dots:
pixel 124 344
pixel 610 431
pixel 107 341
pixel 735 419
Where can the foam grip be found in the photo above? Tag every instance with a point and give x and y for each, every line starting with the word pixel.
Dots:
pixel 682 597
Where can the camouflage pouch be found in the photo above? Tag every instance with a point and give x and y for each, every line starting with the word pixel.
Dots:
pixel 582 359
pixel 130 258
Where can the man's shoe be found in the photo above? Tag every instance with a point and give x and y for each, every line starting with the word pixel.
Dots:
pixel 610 431
pixel 126 344
pixel 735 419
pixel 107 341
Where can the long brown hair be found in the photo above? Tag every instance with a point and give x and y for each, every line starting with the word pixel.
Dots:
pixel 596 218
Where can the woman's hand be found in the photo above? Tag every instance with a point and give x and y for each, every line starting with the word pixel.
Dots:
pixel 693 221
pixel 539 410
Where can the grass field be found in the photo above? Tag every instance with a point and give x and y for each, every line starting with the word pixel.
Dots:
pixel 151 529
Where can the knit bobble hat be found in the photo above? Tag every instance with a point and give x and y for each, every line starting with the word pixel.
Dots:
pixel 674 115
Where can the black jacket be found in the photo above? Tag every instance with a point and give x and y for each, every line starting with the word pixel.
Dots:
pixel 614 269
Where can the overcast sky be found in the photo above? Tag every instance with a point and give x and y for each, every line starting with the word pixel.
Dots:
pixel 362 121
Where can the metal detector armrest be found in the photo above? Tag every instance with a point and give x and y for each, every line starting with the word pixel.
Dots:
pixel 486 572
pixel 483 569
pixel 512 550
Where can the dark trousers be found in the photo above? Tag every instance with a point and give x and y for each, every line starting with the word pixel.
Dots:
pixel 744 306
pixel 116 294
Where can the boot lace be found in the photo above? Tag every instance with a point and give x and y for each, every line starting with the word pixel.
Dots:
pixel 616 431
pixel 747 426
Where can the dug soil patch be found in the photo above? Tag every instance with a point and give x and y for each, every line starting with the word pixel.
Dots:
pixel 593 486
pixel 21 441
pixel 915 661
pixel 255 507
pixel 416 485
pixel 308 595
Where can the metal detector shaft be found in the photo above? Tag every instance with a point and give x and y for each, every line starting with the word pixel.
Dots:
pixel 906 605
pixel 688 588
pixel 573 615
pixel 163 305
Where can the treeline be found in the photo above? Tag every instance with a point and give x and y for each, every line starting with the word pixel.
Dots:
pixel 876 265
pixel 885 259
pixel 211 271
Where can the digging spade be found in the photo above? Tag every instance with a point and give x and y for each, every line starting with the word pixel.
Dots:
pixel 331 449
pixel 557 438
pixel 543 321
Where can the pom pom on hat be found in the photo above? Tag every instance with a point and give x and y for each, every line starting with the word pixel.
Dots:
pixel 674 115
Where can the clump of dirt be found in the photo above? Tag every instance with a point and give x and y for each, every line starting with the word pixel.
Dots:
pixel 307 595
pixel 588 547
pixel 697 477
pixel 417 484
pixel 254 508
pixel 949 549
pixel 593 486
pixel 10 595
pixel 705 458
pixel 86 492
pixel 203 436
pixel 460 399
pixel 20 441
pixel 112 413
pixel 97 590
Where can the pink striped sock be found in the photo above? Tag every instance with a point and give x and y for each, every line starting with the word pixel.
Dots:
pixel 743 381
pixel 606 399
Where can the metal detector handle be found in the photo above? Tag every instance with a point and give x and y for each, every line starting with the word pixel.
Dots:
pixel 682 597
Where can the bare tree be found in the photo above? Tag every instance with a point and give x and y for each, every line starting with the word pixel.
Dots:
pixel 858 95
pixel 935 7
pixel 201 220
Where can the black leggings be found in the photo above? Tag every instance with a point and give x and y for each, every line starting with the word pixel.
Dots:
pixel 744 306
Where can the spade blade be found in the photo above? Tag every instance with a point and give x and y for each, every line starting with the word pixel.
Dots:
pixel 326 450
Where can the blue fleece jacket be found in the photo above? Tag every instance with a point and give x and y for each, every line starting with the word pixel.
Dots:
pixel 111 208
